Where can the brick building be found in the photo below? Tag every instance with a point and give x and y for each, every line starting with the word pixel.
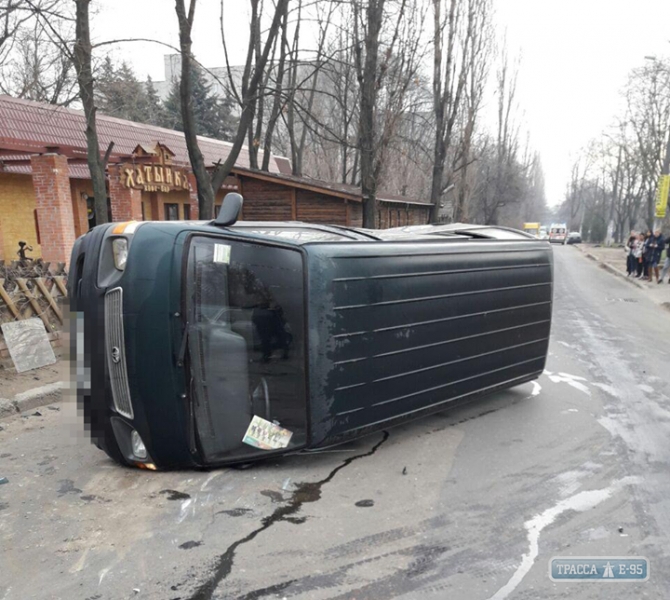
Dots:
pixel 46 192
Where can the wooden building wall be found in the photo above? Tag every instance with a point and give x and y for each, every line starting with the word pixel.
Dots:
pixel 319 208
pixel 269 201
pixel 397 215
pixel 266 201
pixel 355 214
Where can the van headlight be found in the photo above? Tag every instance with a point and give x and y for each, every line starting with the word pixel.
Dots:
pixel 139 449
pixel 120 252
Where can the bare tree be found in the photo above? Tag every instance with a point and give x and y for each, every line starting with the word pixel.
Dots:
pixel 478 53
pixel 81 57
pixel 367 58
pixel 13 13
pixel 648 105
pixel 305 77
pixel 449 78
pixel 35 58
pixel 504 171
pixel 208 186
pixel 37 68
pixel 387 71
pixel 615 178
pixel 278 100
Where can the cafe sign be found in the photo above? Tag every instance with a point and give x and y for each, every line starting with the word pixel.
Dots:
pixel 154 171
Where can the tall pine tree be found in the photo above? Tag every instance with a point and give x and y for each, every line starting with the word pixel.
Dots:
pixel 212 114
pixel 120 94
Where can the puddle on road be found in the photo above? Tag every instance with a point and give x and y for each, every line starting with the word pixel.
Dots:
pixel 235 512
pixel 175 495
pixel 365 503
pixel 190 544
pixel 67 487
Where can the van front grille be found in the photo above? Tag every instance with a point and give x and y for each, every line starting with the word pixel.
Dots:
pixel 116 352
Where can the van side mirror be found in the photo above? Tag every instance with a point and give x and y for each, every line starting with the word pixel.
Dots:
pixel 230 210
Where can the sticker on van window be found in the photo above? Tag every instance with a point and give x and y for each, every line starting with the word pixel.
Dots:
pixel 221 253
pixel 266 435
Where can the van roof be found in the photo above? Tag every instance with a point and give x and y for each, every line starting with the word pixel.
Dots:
pixel 299 233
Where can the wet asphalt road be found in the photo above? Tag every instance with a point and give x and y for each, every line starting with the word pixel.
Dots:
pixel 467 504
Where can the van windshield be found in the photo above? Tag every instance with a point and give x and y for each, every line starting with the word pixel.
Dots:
pixel 246 344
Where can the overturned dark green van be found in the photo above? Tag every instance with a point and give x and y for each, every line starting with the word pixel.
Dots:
pixel 223 342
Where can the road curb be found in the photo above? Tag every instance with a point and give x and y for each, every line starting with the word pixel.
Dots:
pixel 34 398
pixel 612 269
pixel 608 267
pixel 615 271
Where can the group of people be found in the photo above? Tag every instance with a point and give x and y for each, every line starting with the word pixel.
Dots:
pixel 644 251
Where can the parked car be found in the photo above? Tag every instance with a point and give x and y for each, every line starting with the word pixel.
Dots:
pixel 216 342
pixel 574 237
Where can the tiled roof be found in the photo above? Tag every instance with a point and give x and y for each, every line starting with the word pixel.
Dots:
pixel 75 170
pixel 28 126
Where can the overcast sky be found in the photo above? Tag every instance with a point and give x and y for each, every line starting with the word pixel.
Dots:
pixel 575 57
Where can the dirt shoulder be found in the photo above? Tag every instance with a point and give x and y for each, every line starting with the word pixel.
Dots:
pixel 13 383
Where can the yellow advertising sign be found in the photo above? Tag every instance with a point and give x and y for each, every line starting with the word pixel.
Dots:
pixel 662 196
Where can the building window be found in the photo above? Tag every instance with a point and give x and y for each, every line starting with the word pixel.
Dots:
pixel 171 212
pixel 187 212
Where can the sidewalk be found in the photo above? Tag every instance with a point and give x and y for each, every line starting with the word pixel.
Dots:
pixel 25 391
pixel 614 261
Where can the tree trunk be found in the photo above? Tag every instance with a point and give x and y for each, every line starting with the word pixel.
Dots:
pixel 205 191
pixel 296 157
pixel 278 101
pixel 436 181
pixel 255 131
pixel 223 170
pixel 208 187
pixel 439 150
pixel 375 10
pixel 82 62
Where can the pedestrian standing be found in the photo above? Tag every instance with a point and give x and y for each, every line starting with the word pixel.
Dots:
pixel 666 264
pixel 646 255
pixel 656 246
pixel 638 249
pixel 631 266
